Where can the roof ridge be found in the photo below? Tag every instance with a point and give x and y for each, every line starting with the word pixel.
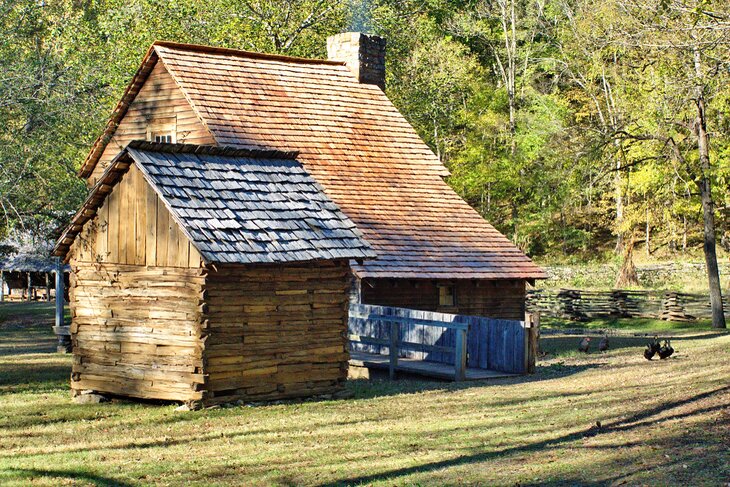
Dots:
pixel 213 150
pixel 243 53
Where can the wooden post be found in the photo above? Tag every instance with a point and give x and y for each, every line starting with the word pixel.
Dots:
pixel 62 332
pixel 29 287
pixel 2 286
pixel 532 341
pixel 460 356
pixel 59 292
pixel 48 287
pixel 355 290
pixel 393 349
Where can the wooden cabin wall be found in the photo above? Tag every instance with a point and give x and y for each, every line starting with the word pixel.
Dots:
pixel 494 299
pixel 276 331
pixel 136 300
pixel 136 330
pixel 134 227
pixel 160 102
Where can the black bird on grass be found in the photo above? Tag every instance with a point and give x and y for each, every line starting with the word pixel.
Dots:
pixel 648 353
pixel 652 348
pixel 603 344
pixel 666 350
pixel 584 345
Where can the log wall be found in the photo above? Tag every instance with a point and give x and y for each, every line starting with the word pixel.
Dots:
pixel 136 300
pixel 493 299
pixel 136 330
pixel 276 331
pixel 160 105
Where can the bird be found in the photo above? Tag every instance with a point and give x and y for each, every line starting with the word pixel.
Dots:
pixel 648 352
pixel 654 344
pixel 652 348
pixel 585 344
pixel 666 351
pixel 603 344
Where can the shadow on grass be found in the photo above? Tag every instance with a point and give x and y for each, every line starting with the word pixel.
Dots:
pixel 379 385
pixel 93 479
pixel 643 418
pixel 33 377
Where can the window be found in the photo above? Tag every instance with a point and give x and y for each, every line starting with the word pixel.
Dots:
pixel 163 138
pixel 446 296
pixel 162 130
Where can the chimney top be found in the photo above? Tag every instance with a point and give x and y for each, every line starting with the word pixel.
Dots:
pixel 364 54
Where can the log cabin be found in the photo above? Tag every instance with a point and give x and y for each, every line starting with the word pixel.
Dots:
pixel 205 275
pixel 432 251
pixel 435 252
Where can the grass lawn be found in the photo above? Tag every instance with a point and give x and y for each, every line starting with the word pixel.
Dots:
pixel 662 423
pixel 646 325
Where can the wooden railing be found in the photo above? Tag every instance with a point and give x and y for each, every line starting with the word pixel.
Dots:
pixel 394 318
pixel 473 341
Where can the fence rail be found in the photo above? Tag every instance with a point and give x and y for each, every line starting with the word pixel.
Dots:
pixel 458 340
pixel 581 305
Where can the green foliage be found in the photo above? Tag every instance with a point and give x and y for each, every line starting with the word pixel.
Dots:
pixel 552 116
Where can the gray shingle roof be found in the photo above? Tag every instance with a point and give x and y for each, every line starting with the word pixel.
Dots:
pixel 243 206
pixel 30 263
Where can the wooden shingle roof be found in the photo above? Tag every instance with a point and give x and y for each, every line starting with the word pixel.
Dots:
pixel 357 145
pixel 237 205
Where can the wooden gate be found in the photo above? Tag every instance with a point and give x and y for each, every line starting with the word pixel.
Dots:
pixel 458 340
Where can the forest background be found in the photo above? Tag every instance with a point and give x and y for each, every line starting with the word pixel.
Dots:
pixel 585 130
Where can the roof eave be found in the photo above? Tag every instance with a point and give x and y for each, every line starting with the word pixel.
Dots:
pixel 130 93
pixel 91 204
pixel 249 54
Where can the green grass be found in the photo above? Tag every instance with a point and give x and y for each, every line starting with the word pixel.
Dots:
pixel 663 423
pixel 647 325
pixel 601 275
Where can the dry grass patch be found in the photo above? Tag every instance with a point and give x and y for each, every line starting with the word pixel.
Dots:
pixel 662 423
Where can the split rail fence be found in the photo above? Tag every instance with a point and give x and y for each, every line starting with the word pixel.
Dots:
pixel 581 305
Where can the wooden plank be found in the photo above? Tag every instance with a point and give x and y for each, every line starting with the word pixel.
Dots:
pixel 194 259
pixel 159 98
pixel 460 359
pixel 140 213
pixel 150 225
pixel 409 320
pixel 102 232
pixel 427 369
pixel 183 249
pixel 174 235
pixel 393 348
pixel 113 234
pixel 163 233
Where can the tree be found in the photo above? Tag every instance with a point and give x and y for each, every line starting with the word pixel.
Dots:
pixel 686 43
pixel 64 65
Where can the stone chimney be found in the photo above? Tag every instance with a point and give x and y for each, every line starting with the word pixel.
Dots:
pixel 364 55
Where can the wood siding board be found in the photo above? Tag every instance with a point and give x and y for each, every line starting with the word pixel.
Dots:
pixel 163 232
pixel 113 201
pixel 140 230
pixel 159 97
pixel 150 225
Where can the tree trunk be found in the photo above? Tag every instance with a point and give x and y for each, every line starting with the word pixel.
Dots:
pixel 708 206
pixel 619 210
pixel 648 232
pixel 710 248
